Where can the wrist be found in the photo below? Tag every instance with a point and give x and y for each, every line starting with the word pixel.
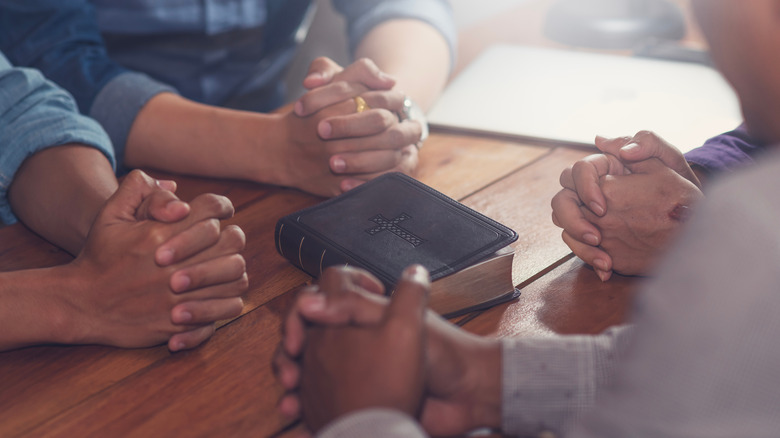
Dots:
pixel 412 111
pixel 273 163
pixel 178 135
pixel 67 324
pixel 700 173
pixel 40 308
pixel 485 375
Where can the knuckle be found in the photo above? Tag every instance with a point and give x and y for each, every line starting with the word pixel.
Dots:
pixel 365 64
pixel 243 283
pixel 384 118
pixel 306 100
pixel 380 99
pixel 237 306
pixel 321 60
pixel 645 136
pixel 211 228
pixel 236 237
pixel 217 204
pixel 417 130
pixel 565 176
pixel 137 177
pixel 239 264
pixel 643 133
pixel 396 137
pixel 342 87
pixel 578 167
pixel 157 236
pixel 138 174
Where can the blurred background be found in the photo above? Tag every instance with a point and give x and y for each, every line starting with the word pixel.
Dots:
pixel 485 22
pixel 326 35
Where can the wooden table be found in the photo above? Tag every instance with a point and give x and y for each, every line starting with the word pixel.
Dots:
pixel 226 387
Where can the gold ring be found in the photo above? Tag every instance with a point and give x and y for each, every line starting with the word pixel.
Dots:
pixel 361 104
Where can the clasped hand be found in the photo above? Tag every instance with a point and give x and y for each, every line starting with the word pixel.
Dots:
pixel 346 348
pixel 155 269
pixel 619 210
pixel 332 147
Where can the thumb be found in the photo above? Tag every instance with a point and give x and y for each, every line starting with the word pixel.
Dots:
pixel 163 206
pixel 651 165
pixel 408 303
pixel 611 146
pixel 321 72
pixel 127 199
pixel 369 74
pixel 647 144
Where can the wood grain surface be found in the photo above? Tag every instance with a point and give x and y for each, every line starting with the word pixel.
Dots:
pixel 226 387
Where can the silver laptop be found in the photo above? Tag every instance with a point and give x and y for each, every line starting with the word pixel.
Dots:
pixel 570 97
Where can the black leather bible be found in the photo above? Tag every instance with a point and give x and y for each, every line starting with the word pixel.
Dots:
pixel 394 221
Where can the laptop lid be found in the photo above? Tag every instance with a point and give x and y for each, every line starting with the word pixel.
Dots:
pixel 569 97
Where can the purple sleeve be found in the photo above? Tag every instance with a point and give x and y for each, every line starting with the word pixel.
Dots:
pixel 726 152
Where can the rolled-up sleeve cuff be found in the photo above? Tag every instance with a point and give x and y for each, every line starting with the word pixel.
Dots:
pixel 437 13
pixel 378 423
pixel 35 115
pixel 63 131
pixel 118 104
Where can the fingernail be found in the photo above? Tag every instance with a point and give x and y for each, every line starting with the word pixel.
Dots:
pixel 180 282
pixel 315 75
pixel 324 129
pixel 184 317
pixel 591 239
pixel 417 274
pixel 313 303
pixel 339 165
pixel 165 256
pixel 166 184
pixel 601 264
pixel 600 138
pixel 596 208
pixel 174 203
pixel 630 147
pixel 298 108
pixel 603 276
pixel 178 346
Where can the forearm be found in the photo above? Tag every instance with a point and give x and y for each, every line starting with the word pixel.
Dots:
pixel 59 191
pixel 31 313
pixel 414 53
pixel 178 135
pixel 483 380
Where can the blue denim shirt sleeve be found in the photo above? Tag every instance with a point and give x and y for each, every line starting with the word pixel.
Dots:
pixel 364 15
pixel 35 114
pixel 63 41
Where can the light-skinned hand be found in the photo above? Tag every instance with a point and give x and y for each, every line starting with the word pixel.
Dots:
pixel 353 147
pixel 645 211
pixel 582 188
